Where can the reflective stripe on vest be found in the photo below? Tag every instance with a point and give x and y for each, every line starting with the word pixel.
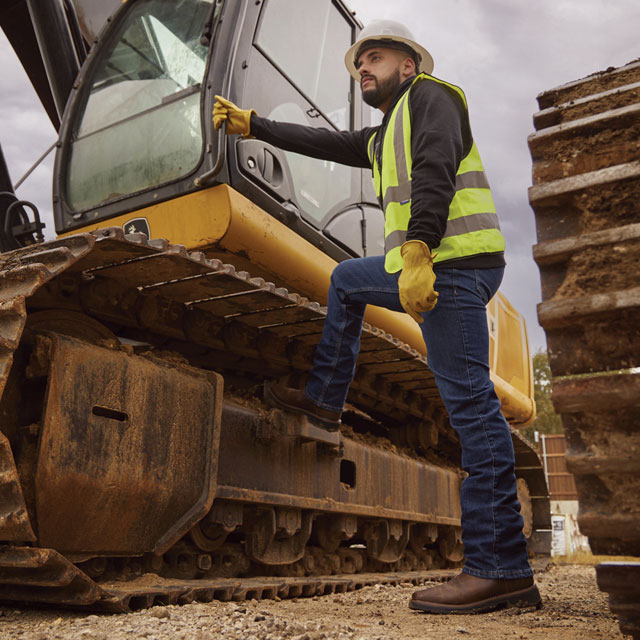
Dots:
pixel 472 224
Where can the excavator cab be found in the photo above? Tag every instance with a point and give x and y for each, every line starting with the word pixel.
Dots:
pixel 139 126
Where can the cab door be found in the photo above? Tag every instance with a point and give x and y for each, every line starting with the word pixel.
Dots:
pixel 293 71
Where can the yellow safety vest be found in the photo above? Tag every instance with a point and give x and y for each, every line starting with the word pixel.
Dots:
pixel 472 225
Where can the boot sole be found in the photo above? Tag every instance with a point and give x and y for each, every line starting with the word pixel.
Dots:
pixel 271 398
pixel 529 597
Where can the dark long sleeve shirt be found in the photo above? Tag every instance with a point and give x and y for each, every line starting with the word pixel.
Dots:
pixel 440 138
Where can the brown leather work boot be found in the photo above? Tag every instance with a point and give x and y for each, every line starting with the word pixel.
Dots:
pixel 290 399
pixel 468 594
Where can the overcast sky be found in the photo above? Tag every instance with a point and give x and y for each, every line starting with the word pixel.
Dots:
pixel 501 52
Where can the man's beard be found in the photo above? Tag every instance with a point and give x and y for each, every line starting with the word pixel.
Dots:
pixel 383 90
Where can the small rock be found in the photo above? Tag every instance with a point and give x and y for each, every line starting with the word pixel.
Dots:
pixel 461 630
pixel 259 618
pixel 159 612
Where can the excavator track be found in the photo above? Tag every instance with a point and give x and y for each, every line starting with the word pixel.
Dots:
pixel 36 570
pixel 585 193
pixel 205 313
pixel 246 323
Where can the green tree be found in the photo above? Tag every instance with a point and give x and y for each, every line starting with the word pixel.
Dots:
pixel 547 420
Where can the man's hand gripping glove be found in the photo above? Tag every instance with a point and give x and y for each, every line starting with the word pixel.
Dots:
pixel 416 281
pixel 238 120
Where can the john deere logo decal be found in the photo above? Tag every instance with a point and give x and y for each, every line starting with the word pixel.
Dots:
pixel 137 225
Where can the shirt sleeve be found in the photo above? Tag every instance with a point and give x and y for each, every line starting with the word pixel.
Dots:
pixel 344 147
pixel 440 137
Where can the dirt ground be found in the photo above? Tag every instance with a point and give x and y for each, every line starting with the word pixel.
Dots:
pixel 573 609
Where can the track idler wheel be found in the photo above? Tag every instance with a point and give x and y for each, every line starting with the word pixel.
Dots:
pixel 94 567
pixel 212 531
pixel 451 544
pixel 422 534
pixel 330 531
pixel 278 536
pixel 386 540
pixel 73 324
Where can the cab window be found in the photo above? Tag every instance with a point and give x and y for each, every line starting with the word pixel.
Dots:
pixel 307 40
pixel 140 126
pixel 297 75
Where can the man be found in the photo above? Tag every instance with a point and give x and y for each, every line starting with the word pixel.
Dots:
pixel 440 226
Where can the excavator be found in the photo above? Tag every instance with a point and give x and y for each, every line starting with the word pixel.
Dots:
pixel 139 462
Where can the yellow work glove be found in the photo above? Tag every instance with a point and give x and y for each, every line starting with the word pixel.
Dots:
pixel 238 120
pixel 416 281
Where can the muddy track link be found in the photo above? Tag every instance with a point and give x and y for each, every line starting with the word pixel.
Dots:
pixel 586 174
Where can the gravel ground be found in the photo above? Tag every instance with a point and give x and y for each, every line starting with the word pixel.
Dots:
pixel 573 609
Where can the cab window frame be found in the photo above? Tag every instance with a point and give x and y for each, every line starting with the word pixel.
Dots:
pixel 67 216
pixel 349 22
pixel 314 113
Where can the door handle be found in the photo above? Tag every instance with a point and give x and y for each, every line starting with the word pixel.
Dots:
pixel 266 165
pixel 270 167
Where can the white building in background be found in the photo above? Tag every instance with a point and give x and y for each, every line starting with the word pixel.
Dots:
pixel 566 537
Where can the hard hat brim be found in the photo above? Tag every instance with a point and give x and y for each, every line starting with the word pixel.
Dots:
pixel 426 62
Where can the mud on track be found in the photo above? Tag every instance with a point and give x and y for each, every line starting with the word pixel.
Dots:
pixel 574 609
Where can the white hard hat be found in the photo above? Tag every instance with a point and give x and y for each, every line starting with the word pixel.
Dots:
pixel 389 32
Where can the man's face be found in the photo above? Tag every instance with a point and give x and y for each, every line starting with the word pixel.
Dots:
pixel 380 74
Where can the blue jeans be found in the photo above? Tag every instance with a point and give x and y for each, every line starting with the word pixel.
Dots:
pixel 457 340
